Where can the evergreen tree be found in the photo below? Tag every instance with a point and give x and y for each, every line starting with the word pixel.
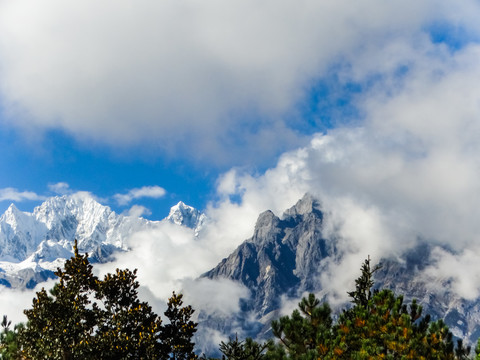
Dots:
pixel 87 318
pixel 307 331
pixel 61 326
pixel 363 285
pixel 378 326
pixel 177 334
pixel 242 350
pixel 9 349
pixel 127 327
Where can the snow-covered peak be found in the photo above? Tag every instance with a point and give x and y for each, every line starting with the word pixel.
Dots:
pixel 81 206
pixel 15 219
pixel 59 221
pixel 185 215
pixel 12 215
pixel 46 235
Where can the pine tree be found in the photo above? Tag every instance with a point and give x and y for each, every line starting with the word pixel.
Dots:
pixel 363 285
pixel 177 335
pixel 127 327
pixel 307 332
pixel 378 326
pixel 87 318
pixel 9 347
pixel 249 349
pixel 61 325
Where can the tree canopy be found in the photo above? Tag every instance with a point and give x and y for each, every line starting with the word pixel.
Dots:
pixel 84 317
pixel 378 325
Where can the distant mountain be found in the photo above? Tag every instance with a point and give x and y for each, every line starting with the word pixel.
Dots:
pixel 188 216
pixel 286 255
pixel 284 258
pixel 33 245
pixel 280 257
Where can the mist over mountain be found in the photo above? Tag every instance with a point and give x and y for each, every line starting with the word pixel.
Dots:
pixel 33 245
pixel 286 257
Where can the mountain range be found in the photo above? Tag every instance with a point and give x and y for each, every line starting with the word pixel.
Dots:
pixel 284 258
pixel 33 245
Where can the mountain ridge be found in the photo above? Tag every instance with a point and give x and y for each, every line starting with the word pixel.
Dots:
pixel 286 255
pixel 37 240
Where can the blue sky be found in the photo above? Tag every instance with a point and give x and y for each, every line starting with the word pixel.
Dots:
pixel 182 93
pixel 57 158
pixel 240 106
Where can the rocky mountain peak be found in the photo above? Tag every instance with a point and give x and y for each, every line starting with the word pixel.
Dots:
pixel 185 215
pixel 281 257
pixel 306 205
pixel 266 224
pixel 45 236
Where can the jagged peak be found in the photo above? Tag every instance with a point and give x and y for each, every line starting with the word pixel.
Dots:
pixel 182 207
pixel 13 212
pixel 185 215
pixel 12 209
pixel 265 219
pixel 11 215
pixel 306 205
pixel 77 200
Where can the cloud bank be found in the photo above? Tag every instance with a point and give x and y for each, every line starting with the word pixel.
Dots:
pixel 12 194
pixel 214 81
pixel 410 171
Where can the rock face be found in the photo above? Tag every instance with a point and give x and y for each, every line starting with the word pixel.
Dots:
pixel 280 257
pixel 406 277
pixel 286 254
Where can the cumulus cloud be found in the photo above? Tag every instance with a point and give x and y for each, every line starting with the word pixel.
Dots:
pixel 14 301
pixel 169 257
pixel 409 171
pixel 138 211
pixel 457 273
pixel 224 303
pixel 211 81
pixel 12 194
pixel 143 192
pixel 61 188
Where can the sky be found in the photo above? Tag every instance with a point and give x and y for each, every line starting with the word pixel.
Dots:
pixel 113 97
pixel 119 96
pixel 240 106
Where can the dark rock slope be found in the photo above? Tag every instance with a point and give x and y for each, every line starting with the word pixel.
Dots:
pixel 281 257
pixel 286 254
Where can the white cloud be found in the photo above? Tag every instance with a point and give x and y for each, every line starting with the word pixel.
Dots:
pixel 13 301
pixel 456 273
pixel 227 297
pixel 12 194
pixel 61 188
pixel 145 191
pixel 409 171
pixel 169 258
pixel 210 80
pixel 138 211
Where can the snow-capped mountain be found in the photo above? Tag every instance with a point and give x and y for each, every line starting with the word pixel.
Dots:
pixel 48 232
pixel 188 216
pixel 33 245
pixel 282 259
